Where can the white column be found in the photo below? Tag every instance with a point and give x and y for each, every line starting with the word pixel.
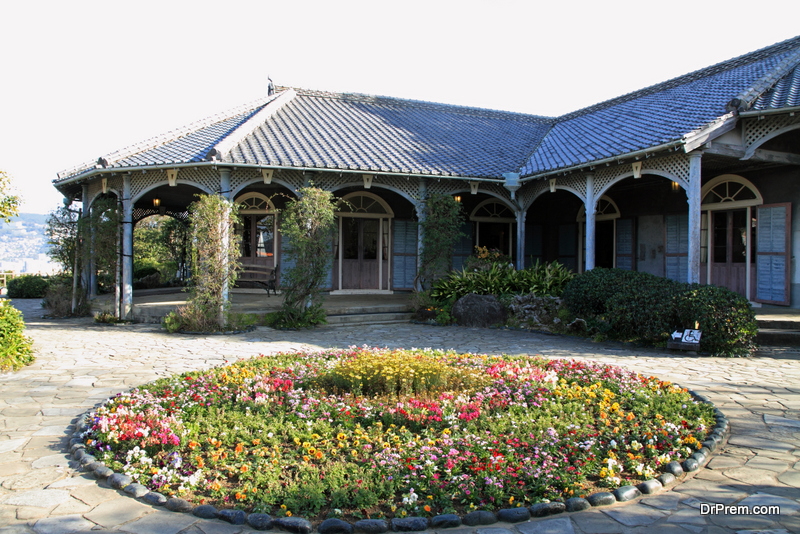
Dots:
pixel 591 208
pixel 748 249
pixel 521 215
pixel 127 248
pixel 225 192
pixel 693 195
pixel 423 195
pixel 86 267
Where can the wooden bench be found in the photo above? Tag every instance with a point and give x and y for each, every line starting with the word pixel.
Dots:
pixel 261 275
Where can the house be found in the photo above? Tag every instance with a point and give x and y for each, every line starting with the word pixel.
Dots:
pixel 693 179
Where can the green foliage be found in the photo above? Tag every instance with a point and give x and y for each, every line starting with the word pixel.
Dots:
pixel 103 239
pixel 307 224
pixel 28 286
pixel 215 262
pixel 499 279
pixel 106 317
pixel 630 305
pixel 147 270
pixel 159 243
pixel 62 233
pixel 15 348
pixel 9 204
pixel 726 318
pixel 58 299
pixel 484 258
pixel 441 229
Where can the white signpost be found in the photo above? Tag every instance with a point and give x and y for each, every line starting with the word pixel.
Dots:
pixel 686 340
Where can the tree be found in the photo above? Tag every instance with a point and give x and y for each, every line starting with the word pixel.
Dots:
pixel 441 225
pixel 62 234
pixel 215 250
pixel 307 225
pixel 9 204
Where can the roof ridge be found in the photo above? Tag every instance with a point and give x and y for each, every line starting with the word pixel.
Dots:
pixel 161 139
pixel 277 102
pixel 748 97
pixel 738 61
pixel 364 97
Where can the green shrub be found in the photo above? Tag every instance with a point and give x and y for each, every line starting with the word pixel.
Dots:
pixel 497 279
pixel 28 286
pixel 630 305
pixel 147 270
pixel 726 319
pixel 15 348
pixel 58 299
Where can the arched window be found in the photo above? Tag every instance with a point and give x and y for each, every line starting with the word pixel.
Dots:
pixel 494 226
pixel 729 191
pixel 258 228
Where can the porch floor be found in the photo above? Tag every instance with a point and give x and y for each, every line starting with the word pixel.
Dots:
pixel 151 305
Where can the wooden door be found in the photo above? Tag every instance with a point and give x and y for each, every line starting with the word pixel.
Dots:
pixel 359 253
pixel 729 250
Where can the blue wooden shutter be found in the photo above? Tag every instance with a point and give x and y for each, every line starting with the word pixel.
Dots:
pixel 773 253
pixel 404 254
pixel 533 244
pixel 676 247
pixel 625 244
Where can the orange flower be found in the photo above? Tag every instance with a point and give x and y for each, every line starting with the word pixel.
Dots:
pixel 256 442
pixel 427 508
pixel 244 468
pixel 318 456
pixel 630 416
pixel 239 448
pixel 193 445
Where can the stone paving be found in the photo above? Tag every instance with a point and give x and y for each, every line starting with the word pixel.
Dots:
pixel 80 364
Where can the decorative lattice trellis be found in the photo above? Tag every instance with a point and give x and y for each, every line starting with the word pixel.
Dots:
pixel 757 130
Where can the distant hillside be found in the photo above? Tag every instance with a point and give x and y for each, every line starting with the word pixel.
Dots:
pixel 24 237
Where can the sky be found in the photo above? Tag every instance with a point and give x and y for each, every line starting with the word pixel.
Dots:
pixel 83 79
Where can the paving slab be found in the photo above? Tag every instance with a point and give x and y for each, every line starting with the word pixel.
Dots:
pixel 117 511
pixel 160 522
pixel 562 525
pixel 37 498
pixel 634 515
pixel 62 525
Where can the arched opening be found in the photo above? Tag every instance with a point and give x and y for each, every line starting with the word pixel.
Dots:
pixel 494 226
pixel 362 248
pixel 160 251
pixel 258 230
pixel 551 230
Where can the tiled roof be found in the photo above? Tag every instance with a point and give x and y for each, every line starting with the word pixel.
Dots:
pixel 369 133
pixel 354 132
pixel 657 115
pixel 181 145
pixel 784 94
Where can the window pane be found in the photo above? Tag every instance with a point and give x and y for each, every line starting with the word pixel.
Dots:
pixel 350 238
pixel 265 232
pixel 370 239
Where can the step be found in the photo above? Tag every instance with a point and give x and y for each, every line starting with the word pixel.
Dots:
pixel 778 324
pixel 778 337
pixel 369 318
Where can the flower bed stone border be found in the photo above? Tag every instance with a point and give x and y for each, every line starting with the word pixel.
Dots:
pixel 298 525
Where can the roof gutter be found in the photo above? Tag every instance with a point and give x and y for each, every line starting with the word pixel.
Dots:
pixel 144 168
pixel 765 112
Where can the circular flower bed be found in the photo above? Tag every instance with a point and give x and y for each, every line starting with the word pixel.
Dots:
pixel 377 433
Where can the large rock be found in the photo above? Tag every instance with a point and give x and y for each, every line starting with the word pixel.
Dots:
pixel 479 310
